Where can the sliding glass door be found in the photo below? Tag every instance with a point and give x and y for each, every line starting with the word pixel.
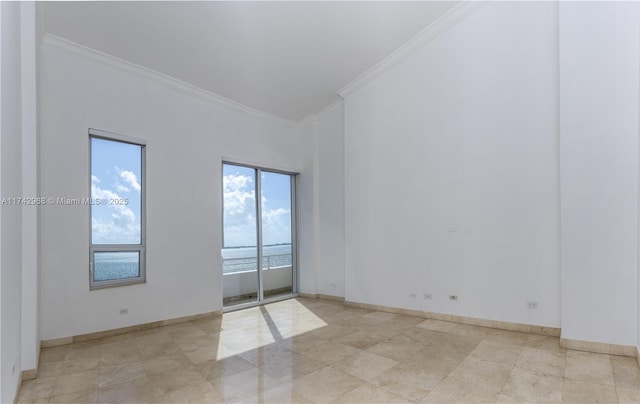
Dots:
pixel 258 255
pixel 277 235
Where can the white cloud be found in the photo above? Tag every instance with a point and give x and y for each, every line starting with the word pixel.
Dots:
pixel 118 227
pixel 240 219
pixel 122 188
pixel 239 210
pixel 130 178
pixel 111 232
pixel 276 225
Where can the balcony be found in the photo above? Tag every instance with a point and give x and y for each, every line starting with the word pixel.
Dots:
pixel 241 277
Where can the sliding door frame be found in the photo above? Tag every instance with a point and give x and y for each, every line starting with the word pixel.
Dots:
pixel 260 300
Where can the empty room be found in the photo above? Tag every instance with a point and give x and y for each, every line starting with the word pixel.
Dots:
pixel 320 202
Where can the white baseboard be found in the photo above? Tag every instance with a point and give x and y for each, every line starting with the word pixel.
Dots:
pixel 502 325
pixel 124 330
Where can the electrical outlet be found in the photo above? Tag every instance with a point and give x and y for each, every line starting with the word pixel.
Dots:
pixel 427 296
pixel 124 311
pixel 412 295
pixel 453 297
pixel 532 305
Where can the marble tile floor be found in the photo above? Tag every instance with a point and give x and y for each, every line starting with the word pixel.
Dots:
pixel 320 351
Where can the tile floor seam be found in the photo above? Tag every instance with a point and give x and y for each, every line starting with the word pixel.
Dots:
pixel 511 372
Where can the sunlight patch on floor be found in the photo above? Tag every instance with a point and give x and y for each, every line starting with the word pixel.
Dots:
pixel 258 327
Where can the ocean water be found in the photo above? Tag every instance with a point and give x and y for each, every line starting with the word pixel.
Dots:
pixel 240 259
pixel 122 265
pixel 115 265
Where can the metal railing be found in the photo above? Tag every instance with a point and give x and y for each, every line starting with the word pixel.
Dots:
pixel 248 264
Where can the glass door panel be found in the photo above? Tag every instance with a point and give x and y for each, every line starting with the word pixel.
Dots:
pixel 277 251
pixel 240 228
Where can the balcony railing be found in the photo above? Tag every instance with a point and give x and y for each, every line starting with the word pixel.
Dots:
pixel 250 264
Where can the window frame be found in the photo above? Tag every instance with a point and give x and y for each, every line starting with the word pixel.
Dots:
pixel 139 248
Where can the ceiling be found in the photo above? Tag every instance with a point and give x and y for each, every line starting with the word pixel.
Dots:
pixel 284 58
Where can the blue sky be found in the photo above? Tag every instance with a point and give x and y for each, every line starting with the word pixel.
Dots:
pixel 115 174
pixel 240 207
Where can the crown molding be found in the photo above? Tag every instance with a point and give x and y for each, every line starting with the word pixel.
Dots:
pixel 439 26
pixel 94 55
pixel 315 116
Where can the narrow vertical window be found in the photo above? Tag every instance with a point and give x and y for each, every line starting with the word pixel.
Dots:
pixel 117 249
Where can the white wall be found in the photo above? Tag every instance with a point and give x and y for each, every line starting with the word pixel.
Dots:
pixel 19 334
pixel 451 167
pixel 331 243
pixel 322 235
pixel 307 210
pixel 10 186
pixel 485 156
pixel 30 264
pixel 599 82
pixel 187 137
